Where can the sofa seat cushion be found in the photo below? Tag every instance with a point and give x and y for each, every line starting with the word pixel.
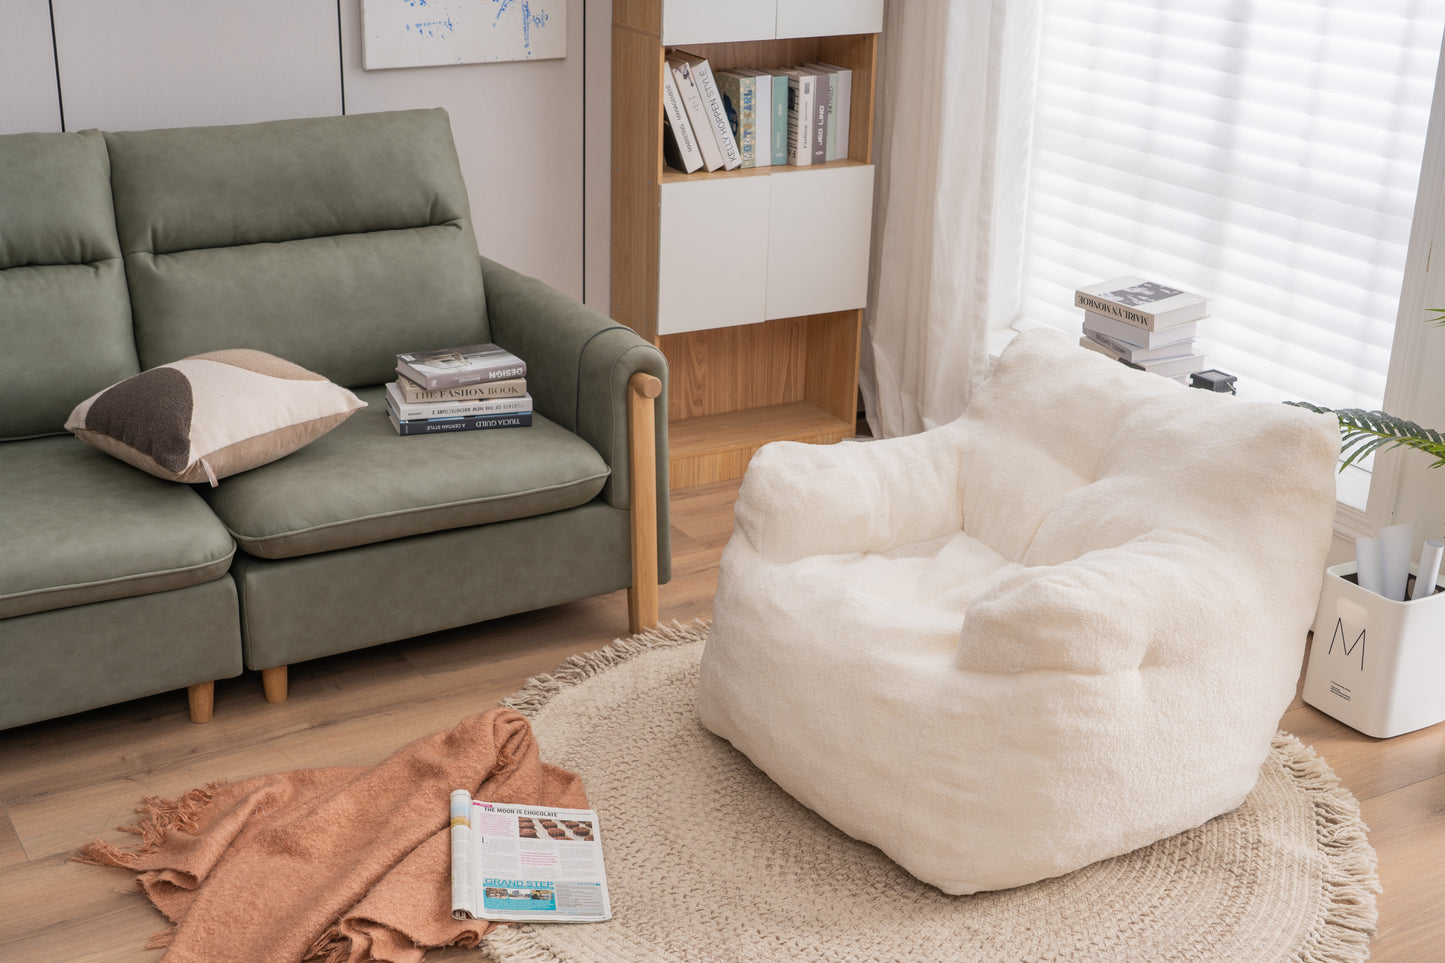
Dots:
pixel 364 483
pixel 81 527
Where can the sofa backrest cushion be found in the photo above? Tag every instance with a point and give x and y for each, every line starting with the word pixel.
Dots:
pixel 65 326
pixel 331 242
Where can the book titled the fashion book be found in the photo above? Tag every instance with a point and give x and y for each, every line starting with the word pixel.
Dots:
pixel 454 367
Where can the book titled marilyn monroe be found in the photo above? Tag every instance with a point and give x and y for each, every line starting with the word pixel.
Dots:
pixel 455 367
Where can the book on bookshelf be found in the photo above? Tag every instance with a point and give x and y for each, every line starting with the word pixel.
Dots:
pixel 762 115
pixel 716 115
pixel 840 117
pixel 802 96
pixel 739 92
pixel 1140 337
pixel 410 411
pixel 1144 304
pixel 1128 351
pixel 780 119
pixel 679 142
pixel 828 86
pixel 434 426
pixel 455 367
pixel 681 71
pixel 818 123
pixel 414 393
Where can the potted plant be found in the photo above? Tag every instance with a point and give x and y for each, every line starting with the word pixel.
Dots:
pixel 1365 432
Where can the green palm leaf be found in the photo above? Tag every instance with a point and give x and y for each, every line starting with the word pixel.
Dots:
pixel 1365 432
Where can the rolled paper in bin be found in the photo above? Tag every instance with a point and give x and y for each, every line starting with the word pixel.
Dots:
pixel 1395 544
pixel 1369 565
pixel 1428 571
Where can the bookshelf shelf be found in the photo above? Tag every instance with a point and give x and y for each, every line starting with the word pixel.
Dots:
pixel 751 281
pixel 712 447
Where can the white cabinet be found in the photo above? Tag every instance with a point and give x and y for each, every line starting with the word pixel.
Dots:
pixel 709 21
pixel 713 21
pixel 818 240
pixel 809 18
pixel 752 282
pixel 712 253
pixel 746 249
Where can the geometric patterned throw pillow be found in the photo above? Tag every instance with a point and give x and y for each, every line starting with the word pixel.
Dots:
pixel 212 415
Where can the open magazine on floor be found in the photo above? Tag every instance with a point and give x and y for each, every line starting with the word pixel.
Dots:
pixel 526 863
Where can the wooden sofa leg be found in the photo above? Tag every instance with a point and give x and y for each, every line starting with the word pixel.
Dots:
pixel 202 700
pixel 273 683
pixel 643 390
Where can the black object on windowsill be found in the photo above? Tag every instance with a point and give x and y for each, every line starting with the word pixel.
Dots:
pixel 1213 380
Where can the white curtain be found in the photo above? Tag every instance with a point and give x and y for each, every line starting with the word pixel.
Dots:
pixel 954 109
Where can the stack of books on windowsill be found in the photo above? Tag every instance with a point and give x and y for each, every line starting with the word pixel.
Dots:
pixel 1144 324
pixel 458 389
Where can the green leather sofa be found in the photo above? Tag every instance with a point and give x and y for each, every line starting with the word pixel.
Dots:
pixel 334 243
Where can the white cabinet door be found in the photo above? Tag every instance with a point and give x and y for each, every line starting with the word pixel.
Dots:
pixel 824 18
pixel 713 253
pixel 712 21
pixel 819 234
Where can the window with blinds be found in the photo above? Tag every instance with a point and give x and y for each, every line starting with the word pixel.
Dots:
pixel 1265 154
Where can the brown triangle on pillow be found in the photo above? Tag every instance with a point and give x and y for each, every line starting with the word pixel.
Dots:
pixel 151 413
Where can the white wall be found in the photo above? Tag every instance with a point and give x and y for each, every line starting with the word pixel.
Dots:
pixel 532 136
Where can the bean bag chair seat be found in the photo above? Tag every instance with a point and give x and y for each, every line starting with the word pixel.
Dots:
pixel 1058 629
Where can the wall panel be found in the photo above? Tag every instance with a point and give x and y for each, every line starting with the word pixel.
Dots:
pixel 136 64
pixel 28 98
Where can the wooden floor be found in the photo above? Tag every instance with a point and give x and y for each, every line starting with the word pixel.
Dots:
pixel 65 782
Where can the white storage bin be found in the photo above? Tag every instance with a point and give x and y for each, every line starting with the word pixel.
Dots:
pixel 1375 664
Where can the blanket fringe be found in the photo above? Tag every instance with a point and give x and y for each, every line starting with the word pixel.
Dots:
pixel 539 690
pixel 160 818
pixel 1351 872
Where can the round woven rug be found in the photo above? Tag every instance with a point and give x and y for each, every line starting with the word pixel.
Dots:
pixel 708 860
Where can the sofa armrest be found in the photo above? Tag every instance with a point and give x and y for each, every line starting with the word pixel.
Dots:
pixel 798 500
pixel 579 363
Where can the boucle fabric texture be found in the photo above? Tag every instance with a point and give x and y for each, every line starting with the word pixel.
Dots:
pixel 1064 625
pixel 212 415
pixel 344 864
pixel 708 860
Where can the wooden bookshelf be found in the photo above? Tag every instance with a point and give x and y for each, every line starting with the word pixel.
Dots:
pixel 736 387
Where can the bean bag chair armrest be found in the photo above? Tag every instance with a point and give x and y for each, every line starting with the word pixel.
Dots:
pixel 578 365
pixel 798 500
pixel 1150 601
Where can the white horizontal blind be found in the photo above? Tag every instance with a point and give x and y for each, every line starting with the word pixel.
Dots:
pixel 1265 154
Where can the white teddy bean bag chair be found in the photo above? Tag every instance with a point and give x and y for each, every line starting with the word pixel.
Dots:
pixel 1058 629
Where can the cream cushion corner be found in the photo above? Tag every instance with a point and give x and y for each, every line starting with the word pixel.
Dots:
pixel 212 415
pixel 1058 629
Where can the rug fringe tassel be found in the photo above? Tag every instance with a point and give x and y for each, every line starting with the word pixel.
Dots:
pixel 517 943
pixel 539 690
pixel 1352 866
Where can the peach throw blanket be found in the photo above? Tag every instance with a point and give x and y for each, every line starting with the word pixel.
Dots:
pixel 339 864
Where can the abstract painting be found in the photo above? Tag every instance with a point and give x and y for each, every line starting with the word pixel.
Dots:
pixel 428 33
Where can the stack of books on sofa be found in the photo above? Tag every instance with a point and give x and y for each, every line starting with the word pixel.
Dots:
pixel 458 389
pixel 1144 324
